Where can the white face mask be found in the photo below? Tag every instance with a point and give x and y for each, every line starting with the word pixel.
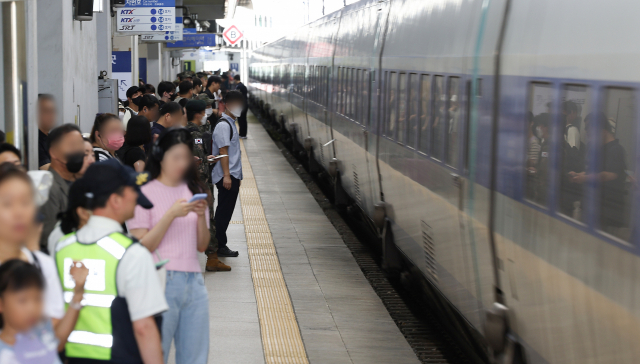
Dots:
pixel 236 111
pixel 208 112
pixel 539 132
pixel 203 120
pixel 121 115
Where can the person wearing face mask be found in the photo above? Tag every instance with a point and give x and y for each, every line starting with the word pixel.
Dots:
pixel 107 136
pixel 133 93
pixel 166 92
pixel 227 173
pixel 196 118
pixel 209 102
pixel 66 148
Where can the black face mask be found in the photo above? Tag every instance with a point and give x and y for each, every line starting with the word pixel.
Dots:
pixel 75 161
pixel 173 96
pixel 137 100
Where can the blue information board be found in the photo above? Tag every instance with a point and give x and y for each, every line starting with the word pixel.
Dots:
pixel 191 39
pixel 138 16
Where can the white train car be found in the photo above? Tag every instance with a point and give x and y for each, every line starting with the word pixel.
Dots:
pixel 493 142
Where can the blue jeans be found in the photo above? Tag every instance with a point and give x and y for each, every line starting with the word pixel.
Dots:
pixel 187 319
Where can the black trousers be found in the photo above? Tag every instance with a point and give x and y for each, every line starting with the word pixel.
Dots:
pixel 242 123
pixel 226 204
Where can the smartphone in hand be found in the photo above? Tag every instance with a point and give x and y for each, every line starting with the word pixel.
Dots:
pixel 198 197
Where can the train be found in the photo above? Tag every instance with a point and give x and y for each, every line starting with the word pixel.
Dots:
pixel 492 145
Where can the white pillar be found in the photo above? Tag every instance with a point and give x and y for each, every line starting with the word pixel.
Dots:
pixel 31 13
pixel 135 63
pixel 104 37
pixel 154 64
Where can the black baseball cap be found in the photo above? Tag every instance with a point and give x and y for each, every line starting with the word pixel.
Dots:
pixel 106 177
pixel 132 90
pixel 196 105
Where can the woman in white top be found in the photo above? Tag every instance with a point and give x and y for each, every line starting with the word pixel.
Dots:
pixel 17 218
pixel 107 136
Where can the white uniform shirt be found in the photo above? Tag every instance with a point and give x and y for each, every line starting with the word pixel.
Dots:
pixel 137 278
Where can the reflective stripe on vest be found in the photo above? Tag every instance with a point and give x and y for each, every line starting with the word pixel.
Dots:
pixel 92 337
pixel 90 299
pixel 89 338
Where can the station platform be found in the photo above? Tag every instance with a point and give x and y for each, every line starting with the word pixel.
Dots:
pixel 295 294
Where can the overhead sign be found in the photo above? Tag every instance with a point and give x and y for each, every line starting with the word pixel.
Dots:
pixel 232 35
pixel 121 71
pixel 192 39
pixel 144 16
pixel 170 36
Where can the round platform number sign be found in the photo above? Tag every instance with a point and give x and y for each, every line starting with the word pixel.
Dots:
pixel 232 35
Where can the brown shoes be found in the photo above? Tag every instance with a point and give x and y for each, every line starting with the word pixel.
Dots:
pixel 215 265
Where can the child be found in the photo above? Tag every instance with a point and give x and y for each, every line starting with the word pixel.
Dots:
pixel 26 337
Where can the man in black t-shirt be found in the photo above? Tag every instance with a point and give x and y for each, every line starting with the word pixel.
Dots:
pixel 611 174
pixel 46 122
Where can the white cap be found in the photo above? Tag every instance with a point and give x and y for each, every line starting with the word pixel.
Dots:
pixel 42 181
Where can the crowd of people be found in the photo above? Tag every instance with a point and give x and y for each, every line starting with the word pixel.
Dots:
pixel 106 270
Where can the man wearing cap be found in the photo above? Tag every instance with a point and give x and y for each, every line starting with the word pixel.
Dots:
pixel 212 114
pixel 132 109
pixel 123 294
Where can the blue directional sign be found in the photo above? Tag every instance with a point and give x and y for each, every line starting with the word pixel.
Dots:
pixel 191 39
pixel 121 71
pixel 144 16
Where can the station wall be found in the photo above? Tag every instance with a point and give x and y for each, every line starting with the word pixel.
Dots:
pixel 67 58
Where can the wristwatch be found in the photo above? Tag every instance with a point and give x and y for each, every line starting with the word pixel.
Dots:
pixel 75 305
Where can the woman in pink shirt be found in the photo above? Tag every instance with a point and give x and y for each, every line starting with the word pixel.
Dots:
pixel 178 230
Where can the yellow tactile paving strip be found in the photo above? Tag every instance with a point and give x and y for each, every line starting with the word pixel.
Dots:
pixel 278 325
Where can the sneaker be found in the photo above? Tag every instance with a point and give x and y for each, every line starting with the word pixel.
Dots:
pixel 215 265
pixel 226 252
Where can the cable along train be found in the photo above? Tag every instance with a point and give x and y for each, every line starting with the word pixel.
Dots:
pixel 495 142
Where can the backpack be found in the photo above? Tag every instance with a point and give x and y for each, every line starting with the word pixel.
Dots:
pixel 230 127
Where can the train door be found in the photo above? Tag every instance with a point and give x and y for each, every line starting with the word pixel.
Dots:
pixel 372 125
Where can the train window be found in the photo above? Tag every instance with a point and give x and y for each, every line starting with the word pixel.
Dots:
pixel 345 92
pixel 343 82
pixel 350 94
pixel 576 105
pixel 391 104
pixel 538 140
pixel 413 110
pixel 438 120
pixel 467 125
pixel 357 96
pixel 402 108
pixel 338 92
pixel 453 129
pixel 364 89
pixel 616 133
pixel 425 112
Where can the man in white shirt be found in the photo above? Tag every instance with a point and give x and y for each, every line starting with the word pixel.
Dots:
pixel 114 192
pixel 227 173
